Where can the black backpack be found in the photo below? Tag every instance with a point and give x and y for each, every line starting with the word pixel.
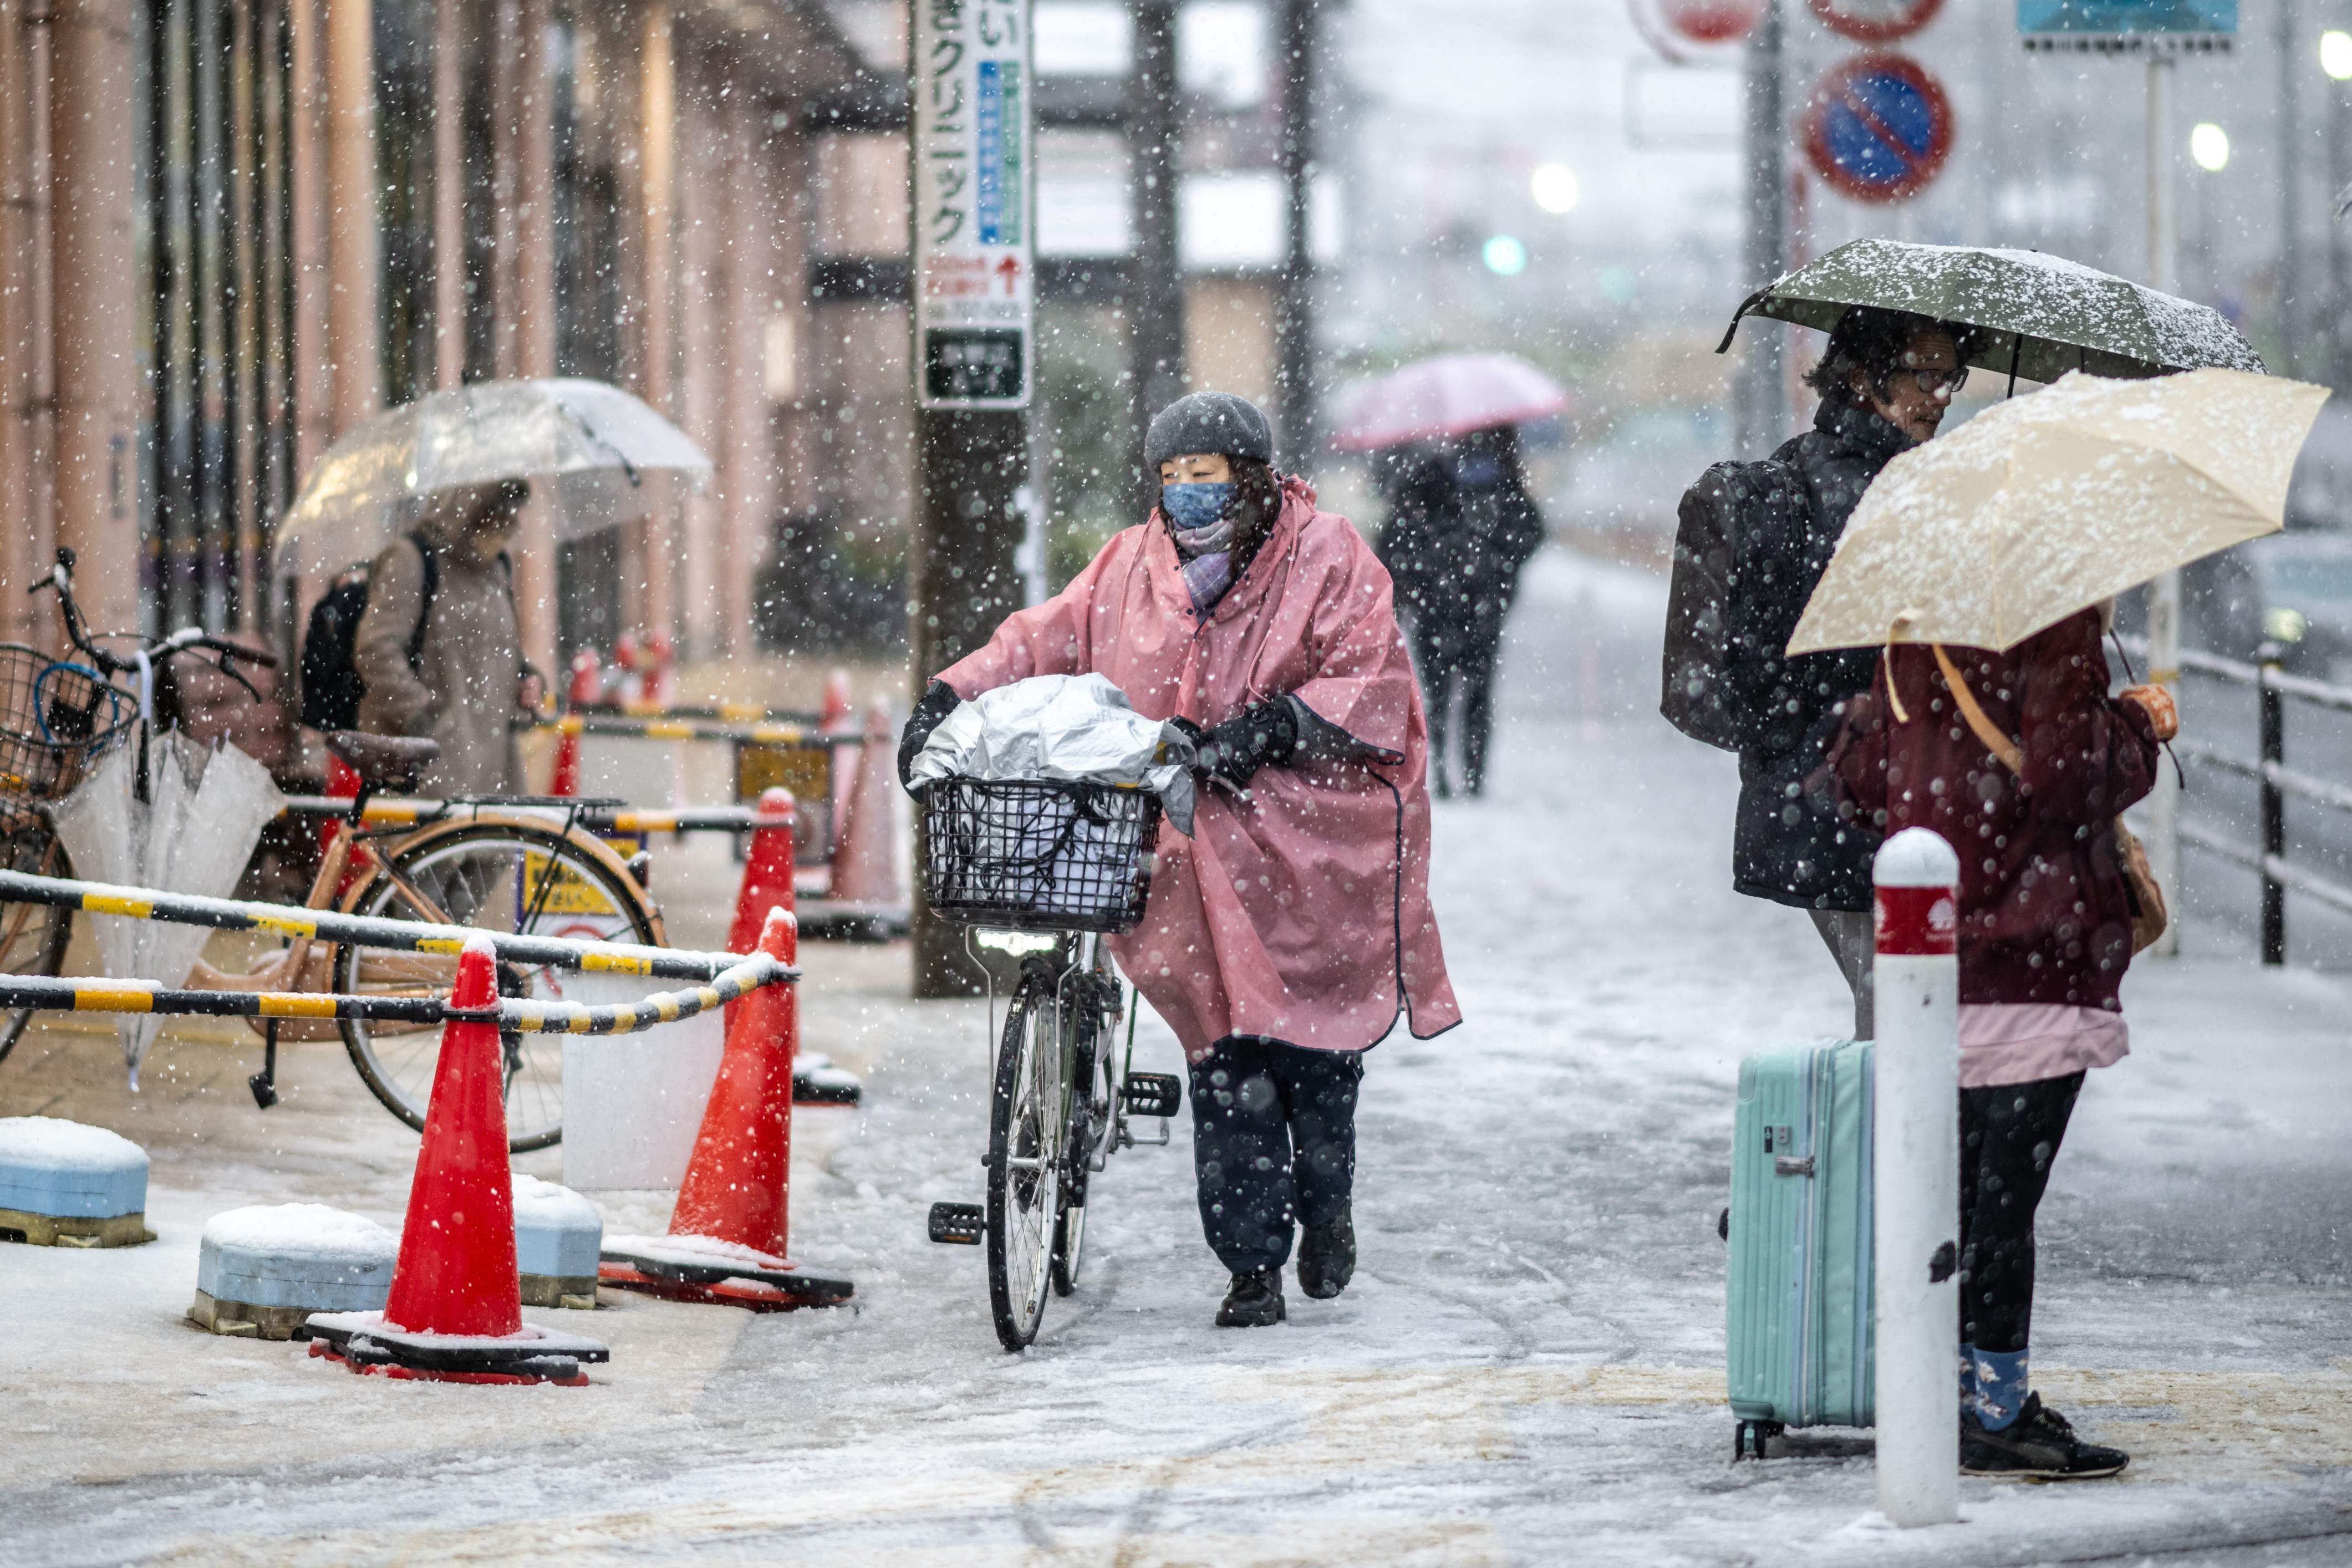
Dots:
pixel 332 687
pixel 1715 512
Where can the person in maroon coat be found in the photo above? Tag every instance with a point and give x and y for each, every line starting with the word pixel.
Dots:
pixel 2022 760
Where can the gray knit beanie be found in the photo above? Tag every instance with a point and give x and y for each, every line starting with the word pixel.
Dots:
pixel 1215 422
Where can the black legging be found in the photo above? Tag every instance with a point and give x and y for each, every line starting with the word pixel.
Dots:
pixel 1450 657
pixel 2009 1135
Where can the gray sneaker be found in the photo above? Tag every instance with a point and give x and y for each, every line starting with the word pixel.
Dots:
pixel 2039 1446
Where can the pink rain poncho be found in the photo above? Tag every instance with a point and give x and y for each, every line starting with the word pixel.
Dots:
pixel 1304 915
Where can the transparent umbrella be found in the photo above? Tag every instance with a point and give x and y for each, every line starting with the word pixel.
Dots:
pixel 195 834
pixel 602 456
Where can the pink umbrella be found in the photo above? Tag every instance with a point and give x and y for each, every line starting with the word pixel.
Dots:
pixel 1451 395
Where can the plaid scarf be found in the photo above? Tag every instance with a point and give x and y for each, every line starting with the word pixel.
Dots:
pixel 1207 554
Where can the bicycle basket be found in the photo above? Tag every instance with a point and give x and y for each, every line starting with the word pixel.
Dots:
pixel 55 718
pixel 1039 854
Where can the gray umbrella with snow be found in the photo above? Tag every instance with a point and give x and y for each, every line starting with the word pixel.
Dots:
pixel 2037 316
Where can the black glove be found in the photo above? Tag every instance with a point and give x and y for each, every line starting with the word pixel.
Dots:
pixel 939 700
pixel 1253 738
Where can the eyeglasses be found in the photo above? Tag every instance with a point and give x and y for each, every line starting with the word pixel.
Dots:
pixel 1931 381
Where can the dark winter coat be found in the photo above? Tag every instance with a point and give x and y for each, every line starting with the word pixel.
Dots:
pixel 2044 917
pixel 1456 550
pixel 1791 844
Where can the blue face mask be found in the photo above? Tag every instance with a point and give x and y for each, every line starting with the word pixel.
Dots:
pixel 1194 506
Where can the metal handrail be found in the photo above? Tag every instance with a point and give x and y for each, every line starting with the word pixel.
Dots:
pixel 602 820
pixel 2272 685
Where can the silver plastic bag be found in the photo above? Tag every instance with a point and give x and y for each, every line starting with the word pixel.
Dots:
pixel 1076 728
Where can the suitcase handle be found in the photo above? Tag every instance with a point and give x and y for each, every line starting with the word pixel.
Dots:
pixel 1792 1166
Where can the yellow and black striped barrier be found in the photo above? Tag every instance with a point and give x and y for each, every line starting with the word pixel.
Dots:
pixel 528 1018
pixel 361 930
pixel 605 821
pixel 666 728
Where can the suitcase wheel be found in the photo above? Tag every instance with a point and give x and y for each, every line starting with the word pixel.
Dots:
pixel 1722 1224
pixel 1749 1436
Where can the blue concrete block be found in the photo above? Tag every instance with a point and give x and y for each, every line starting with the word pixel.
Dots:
pixel 67 1171
pixel 558 1233
pixel 302 1256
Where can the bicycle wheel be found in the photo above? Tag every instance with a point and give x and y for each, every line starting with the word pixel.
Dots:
pixel 1024 1163
pixel 503 877
pixel 32 936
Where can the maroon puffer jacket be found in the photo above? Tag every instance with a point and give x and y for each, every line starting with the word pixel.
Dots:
pixel 2043 913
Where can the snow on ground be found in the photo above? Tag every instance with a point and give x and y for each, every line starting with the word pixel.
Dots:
pixel 1527 1370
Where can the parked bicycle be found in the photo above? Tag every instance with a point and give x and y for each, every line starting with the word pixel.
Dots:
pixel 478 866
pixel 1043 870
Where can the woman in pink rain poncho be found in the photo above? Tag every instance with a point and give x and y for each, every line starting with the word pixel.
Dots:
pixel 1293 929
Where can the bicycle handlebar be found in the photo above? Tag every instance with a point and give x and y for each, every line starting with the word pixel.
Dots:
pixel 188 639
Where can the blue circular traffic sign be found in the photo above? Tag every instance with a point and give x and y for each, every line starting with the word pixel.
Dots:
pixel 1878 128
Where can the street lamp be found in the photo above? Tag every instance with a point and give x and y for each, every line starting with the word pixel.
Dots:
pixel 2209 145
pixel 1554 187
pixel 2335 54
pixel 1505 255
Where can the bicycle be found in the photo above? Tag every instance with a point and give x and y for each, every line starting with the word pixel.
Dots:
pixel 1043 870
pixel 476 866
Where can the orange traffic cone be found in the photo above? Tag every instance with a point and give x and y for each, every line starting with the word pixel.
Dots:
pixel 587 687
pixel 865 861
pixel 455 1313
pixel 767 872
pixel 727 1232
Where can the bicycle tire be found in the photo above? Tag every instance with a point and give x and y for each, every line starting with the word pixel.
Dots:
pixel 32 937
pixel 401 1076
pixel 1089 1127
pixel 1024 1123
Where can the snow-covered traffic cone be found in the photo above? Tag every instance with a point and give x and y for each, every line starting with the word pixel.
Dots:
pixel 455 1312
pixel 865 862
pixel 729 1230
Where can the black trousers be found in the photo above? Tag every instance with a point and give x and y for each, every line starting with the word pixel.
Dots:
pixel 2009 1134
pixel 1274 1144
pixel 1458 658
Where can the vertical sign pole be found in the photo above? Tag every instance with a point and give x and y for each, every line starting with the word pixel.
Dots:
pixel 1154 294
pixel 1295 414
pixel 2164 594
pixel 1916 1158
pixel 974 356
pixel 1761 412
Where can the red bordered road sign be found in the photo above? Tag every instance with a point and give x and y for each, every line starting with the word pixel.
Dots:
pixel 1876 21
pixel 1878 128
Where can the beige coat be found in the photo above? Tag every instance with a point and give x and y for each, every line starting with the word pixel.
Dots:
pixel 463 690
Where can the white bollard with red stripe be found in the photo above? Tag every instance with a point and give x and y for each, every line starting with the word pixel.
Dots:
pixel 1915 1156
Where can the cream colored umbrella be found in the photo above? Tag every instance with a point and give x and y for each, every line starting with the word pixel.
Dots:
pixel 2052 502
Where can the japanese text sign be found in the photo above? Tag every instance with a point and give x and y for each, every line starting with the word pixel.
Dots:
pixel 973 214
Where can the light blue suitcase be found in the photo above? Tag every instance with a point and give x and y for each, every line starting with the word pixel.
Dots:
pixel 1798 1296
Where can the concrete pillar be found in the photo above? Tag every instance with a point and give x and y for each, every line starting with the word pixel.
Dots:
pixel 656 284
pixel 354 351
pixel 703 354
pixel 449 195
pixel 313 355
pixel 97 387
pixel 23 347
pixel 534 300
pixel 751 460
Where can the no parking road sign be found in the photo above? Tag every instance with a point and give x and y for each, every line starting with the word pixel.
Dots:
pixel 1878 128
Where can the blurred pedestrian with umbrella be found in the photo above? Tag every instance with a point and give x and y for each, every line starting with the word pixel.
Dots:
pixel 1461 526
pixel 2007 541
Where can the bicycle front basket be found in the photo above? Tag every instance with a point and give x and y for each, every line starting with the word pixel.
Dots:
pixel 55 718
pixel 1039 854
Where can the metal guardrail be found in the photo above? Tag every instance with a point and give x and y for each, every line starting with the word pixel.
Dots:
pixel 2274 780
pixel 360 930
pixel 68 995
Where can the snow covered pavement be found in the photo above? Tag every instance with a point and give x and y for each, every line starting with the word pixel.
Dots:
pixel 1527 1370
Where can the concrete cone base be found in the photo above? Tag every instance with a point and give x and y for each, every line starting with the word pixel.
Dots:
pixel 364 1342
pixel 698 1268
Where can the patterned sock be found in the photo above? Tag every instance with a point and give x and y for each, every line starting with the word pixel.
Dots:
pixel 2000 1387
pixel 1968 1380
